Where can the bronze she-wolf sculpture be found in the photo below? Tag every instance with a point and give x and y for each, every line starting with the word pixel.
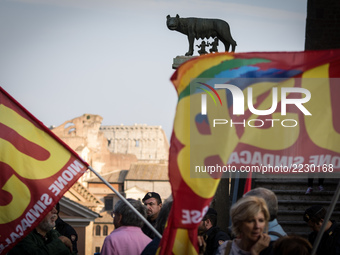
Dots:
pixel 202 28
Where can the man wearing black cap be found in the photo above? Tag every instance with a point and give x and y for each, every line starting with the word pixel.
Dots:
pixel 153 203
pixel 330 241
pixel 212 235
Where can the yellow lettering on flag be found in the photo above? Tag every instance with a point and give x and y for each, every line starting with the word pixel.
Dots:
pixel 323 118
pixel 58 155
pixel 21 197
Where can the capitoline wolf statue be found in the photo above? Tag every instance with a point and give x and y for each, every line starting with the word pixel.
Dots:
pixel 202 28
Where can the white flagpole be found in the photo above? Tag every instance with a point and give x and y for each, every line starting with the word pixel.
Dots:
pixel 127 202
pixel 326 219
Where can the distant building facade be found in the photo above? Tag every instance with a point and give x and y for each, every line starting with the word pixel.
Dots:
pixel 84 136
pixel 148 143
pixel 144 177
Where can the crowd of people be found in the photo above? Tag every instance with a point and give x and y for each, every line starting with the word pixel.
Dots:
pixel 254 230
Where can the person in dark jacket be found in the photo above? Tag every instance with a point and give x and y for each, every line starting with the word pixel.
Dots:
pixel 330 240
pixel 44 239
pixel 162 218
pixel 212 235
pixel 67 230
pixel 153 203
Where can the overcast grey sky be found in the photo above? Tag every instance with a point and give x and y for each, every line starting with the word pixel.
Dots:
pixel 63 58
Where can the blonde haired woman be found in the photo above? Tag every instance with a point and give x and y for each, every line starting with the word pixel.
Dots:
pixel 249 216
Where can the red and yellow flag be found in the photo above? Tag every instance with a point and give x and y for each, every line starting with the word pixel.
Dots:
pixel 270 112
pixel 36 169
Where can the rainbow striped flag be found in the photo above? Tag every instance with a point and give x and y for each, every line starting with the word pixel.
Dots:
pixel 273 113
pixel 36 169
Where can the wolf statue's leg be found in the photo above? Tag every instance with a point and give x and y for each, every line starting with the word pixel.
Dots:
pixel 191 39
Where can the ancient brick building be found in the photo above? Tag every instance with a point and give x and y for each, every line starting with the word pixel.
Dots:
pixel 84 136
pixel 148 143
